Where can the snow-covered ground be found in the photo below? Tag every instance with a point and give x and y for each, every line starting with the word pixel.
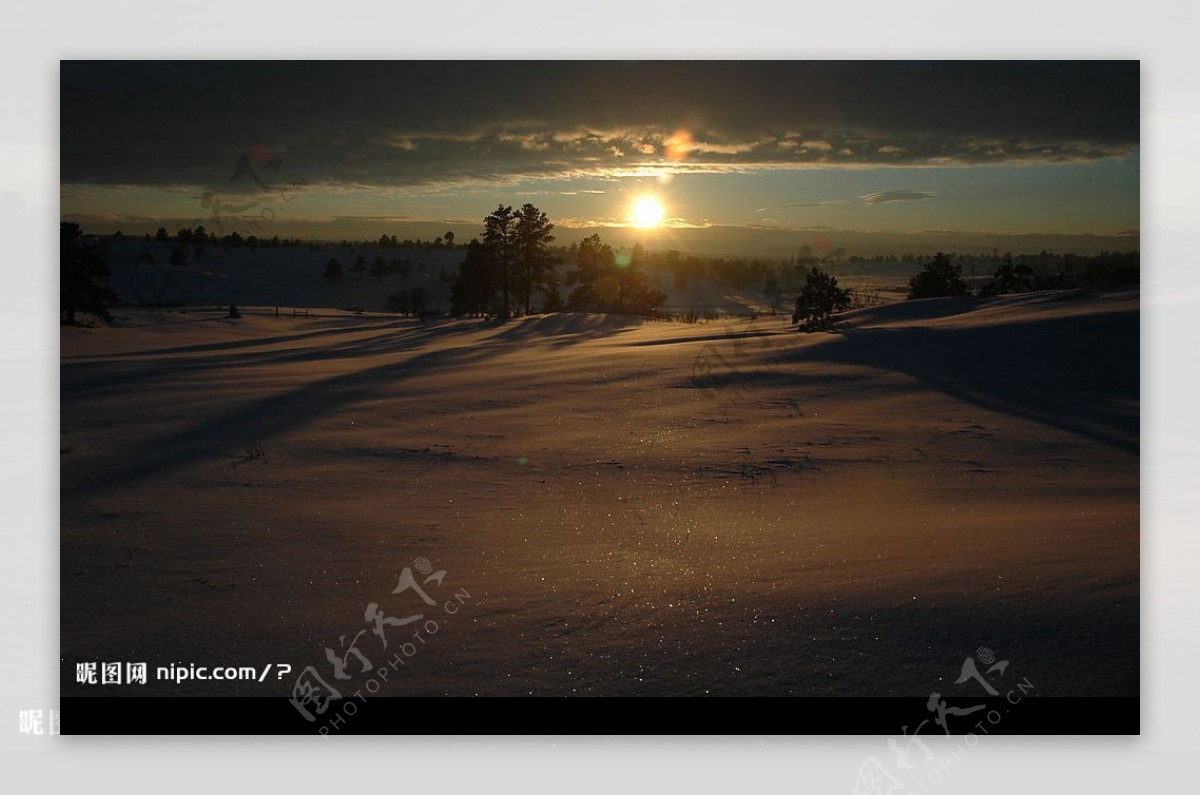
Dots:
pixel 633 507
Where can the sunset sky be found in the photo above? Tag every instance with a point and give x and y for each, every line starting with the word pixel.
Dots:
pixel 741 152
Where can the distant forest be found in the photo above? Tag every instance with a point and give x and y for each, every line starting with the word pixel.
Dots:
pixel 513 267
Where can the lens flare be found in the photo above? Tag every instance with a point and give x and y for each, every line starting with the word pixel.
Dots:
pixel 678 146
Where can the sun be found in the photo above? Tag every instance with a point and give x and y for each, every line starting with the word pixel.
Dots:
pixel 648 212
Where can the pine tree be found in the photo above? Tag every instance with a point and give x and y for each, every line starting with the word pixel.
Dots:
pixel 333 270
pixel 498 239
pixel 82 267
pixel 594 278
pixel 533 260
pixel 604 284
pixel 818 300
pixel 475 290
pixel 939 278
pixel 379 268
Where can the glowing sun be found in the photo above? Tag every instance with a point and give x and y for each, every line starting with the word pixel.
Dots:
pixel 648 212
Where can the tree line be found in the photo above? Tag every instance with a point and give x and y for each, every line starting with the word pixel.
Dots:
pixel 821 297
pixel 513 268
pixel 943 277
pixel 377 269
pixel 199 236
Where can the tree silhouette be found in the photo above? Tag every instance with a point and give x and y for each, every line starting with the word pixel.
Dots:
pixel 635 293
pixel 82 266
pixel 497 238
pixel 333 270
pixel 938 279
pixel 551 299
pixel 819 299
pixel 532 257
pixel 1009 278
pixel 601 284
pixel 514 264
pixel 475 291
pixel 409 301
pixel 400 266
pixel 379 268
pixel 594 277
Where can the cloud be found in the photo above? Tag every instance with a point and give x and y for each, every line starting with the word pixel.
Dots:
pixel 886 196
pixel 180 123
pixel 826 203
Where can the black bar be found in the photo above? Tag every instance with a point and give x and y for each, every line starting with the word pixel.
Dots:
pixel 134 715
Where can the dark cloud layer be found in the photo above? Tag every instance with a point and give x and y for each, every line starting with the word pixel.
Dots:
pixel 187 123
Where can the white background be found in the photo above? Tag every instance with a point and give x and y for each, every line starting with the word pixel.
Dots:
pixel 36 35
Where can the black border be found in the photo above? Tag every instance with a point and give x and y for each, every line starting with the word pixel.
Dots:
pixel 150 715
